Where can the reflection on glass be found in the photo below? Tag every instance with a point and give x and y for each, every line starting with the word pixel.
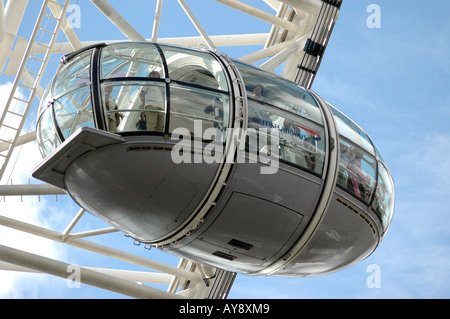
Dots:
pixel 188 104
pixel 152 101
pixel 134 106
pixel 259 114
pixel 351 131
pixel 130 60
pixel 75 74
pixel 113 117
pixel 194 67
pixel 46 98
pixel 46 135
pixel 356 171
pixel 74 110
pixel 301 142
pixel 378 152
pixel 274 90
pixel 383 204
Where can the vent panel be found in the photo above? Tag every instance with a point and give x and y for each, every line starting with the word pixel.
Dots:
pixel 224 255
pixel 240 244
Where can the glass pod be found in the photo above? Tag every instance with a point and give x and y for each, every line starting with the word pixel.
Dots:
pixel 142 95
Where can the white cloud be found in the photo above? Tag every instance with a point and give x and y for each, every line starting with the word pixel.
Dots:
pixel 5 90
pixel 27 209
pixel 30 211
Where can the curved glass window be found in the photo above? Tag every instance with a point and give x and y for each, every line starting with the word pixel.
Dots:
pixel 134 106
pixel 74 74
pixel 130 60
pixel 301 142
pixel 46 98
pixel 361 173
pixel 190 105
pixel 137 84
pixel 378 153
pixel 198 91
pixel 46 134
pixel 357 171
pixel 351 131
pixel 383 203
pixel 194 67
pixel 72 107
pixel 74 110
pixel 277 104
pixel 274 90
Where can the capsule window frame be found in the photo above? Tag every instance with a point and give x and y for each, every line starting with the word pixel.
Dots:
pixel 67 65
pixel 59 130
pixel 201 55
pixel 252 78
pixel 130 59
pixel 183 85
pixel 374 179
pixel 308 126
pixel 135 82
pixel 385 215
pixel 48 111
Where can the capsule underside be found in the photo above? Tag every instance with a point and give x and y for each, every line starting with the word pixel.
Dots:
pixel 213 160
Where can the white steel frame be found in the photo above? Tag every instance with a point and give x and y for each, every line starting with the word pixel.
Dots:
pixel 291 23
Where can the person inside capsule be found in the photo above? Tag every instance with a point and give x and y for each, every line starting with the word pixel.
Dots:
pixel 151 99
pixel 141 125
pixel 214 112
pixel 113 116
pixel 355 180
pixel 258 92
pixel 258 112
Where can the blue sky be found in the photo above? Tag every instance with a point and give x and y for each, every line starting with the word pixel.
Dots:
pixel 393 81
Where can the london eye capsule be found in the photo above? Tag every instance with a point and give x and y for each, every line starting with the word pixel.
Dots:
pixel 212 159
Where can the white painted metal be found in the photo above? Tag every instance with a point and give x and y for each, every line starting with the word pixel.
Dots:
pixel 30 190
pixel 197 24
pixel 289 24
pixel 14 12
pixel 157 20
pixel 87 276
pixel 192 41
pixel 2 21
pixel 118 20
pixel 260 14
pixel 67 29
pixel 22 94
